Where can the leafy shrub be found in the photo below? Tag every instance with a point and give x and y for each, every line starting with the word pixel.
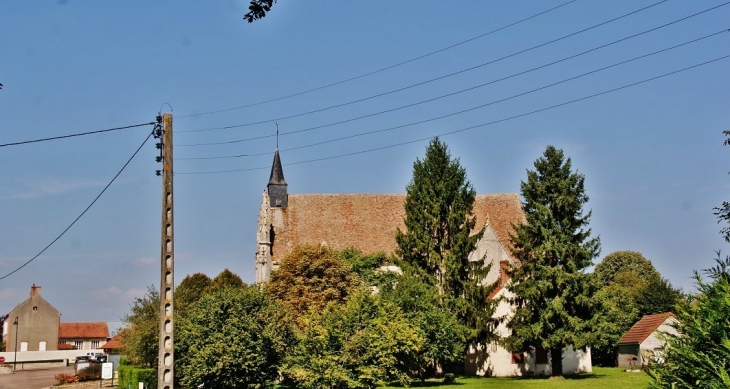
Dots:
pixel 130 376
pixel 65 379
pixel 449 378
pixel 90 373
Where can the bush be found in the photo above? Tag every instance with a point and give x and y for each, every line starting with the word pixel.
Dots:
pixel 449 378
pixel 91 373
pixel 130 376
pixel 65 379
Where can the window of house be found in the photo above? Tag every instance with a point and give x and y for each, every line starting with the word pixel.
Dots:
pixel 23 346
pixel 42 346
pixel 518 358
pixel 541 356
pixel 79 345
pixel 94 344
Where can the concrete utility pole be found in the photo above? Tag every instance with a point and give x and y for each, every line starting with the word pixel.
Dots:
pixel 167 264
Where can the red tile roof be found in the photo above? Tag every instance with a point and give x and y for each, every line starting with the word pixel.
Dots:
pixel 644 327
pixel 114 343
pixel 368 221
pixel 83 330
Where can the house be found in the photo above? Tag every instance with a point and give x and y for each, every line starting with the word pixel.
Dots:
pixel 84 336
pixel 35 322
pixel 643 344
pixel 113 348
pixel 368 222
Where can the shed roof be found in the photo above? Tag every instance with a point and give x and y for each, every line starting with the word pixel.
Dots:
pixel 91 330
pixel 644 327
pixel 115 342
pixel 368 222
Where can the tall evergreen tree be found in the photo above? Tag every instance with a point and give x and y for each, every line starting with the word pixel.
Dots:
pixel 552 291
pixel 438 236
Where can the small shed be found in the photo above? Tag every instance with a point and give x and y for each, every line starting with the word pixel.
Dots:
pixel 113 349
pixel 642 344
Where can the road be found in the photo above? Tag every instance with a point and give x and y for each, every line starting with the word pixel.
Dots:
pixel 32 379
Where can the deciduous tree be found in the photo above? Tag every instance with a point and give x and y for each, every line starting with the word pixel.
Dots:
pixel 141 336
pixel 554 247
pixel 232 338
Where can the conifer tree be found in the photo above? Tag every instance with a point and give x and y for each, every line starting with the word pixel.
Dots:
pixel 438 236
pixel 552 290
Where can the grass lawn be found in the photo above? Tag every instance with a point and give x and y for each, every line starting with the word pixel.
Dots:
pixel 602 377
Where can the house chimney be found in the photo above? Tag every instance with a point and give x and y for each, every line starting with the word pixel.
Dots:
pixel 35 290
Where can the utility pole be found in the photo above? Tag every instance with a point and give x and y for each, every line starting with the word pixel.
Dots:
pixel 166 354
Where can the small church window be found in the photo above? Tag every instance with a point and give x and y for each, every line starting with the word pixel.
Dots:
pixel 35 308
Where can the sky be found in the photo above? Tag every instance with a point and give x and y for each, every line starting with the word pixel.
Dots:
pixel 383 75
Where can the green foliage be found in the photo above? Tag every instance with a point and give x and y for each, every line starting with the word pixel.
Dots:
pixel 257 9
pixel 615 312
pixel 552 291
pixel 699 356
pixel 190 290
pixel 723 212
pixel 130 376
pixel 311 277
pixel 444 337
pixel 141 336
pixel 630 287
pixel 361 344
pixel 232 338
pixel 367 267
pixel 438 236
pixel 226 279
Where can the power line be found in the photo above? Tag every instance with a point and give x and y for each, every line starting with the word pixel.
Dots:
pixel 432 79
pixel 382 69
pixel 472 108
pixel 82 213
pixel 471 127
pixel 75 135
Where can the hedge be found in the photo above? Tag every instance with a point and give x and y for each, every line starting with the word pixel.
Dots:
pixel 130 377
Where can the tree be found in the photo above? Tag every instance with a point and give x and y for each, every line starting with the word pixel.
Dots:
pixel 363 343
pixel 699 355
pixel 311 277
pixel 552 291
pixel 141 336
pixel 225 279
pixel 190 290
pixel 615 311
pixel 232 338
pixel 623 261
pixel 444 337
pixel 438 236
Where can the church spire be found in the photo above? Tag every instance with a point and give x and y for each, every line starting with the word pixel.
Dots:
pixel 277 185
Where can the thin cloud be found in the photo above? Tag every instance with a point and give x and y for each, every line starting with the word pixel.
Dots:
pixel 53 187
pixel 145 261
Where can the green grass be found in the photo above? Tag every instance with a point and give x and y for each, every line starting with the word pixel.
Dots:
pixel 602 377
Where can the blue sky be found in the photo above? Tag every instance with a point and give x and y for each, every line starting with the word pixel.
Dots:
pixel 652 154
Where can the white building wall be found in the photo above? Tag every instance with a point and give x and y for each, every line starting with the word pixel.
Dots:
pixel 654 341
pixel 495 360
pixel 492 251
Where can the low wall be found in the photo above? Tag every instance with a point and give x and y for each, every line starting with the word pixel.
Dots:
pixel 40 357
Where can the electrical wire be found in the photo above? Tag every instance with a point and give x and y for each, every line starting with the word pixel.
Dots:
pixel 382 69
pixel 478 106
pixel 75 135
pixel 433 79
pixel 82 213
pixel 471 127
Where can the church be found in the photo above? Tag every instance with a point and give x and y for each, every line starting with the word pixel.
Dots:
pixel 368 222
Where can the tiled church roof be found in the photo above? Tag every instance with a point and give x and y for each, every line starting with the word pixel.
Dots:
pixel 368 221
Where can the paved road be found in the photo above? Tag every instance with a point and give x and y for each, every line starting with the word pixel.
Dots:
pixel 32 379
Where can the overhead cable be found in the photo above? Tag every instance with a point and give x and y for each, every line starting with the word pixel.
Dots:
pixel 467 109
pixel 75 135
pixel 381 69
pixel 433 79
pixel 470 127
pixel 82 213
